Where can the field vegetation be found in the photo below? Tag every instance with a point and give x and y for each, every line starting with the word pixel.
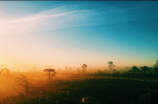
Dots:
pixel 80 86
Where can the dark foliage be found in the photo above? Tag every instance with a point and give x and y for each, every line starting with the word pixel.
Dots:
pixel 96 91
pixel 156 67
pixel 145 69
pixel 134 69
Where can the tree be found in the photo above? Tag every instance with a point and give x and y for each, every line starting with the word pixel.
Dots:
pixel 114 71
pixel 78 69
pixel 18 70
pixel 23 82
pixel 84 67
pixel 70 68
pixel 51 72
pixel 34 68
pixel 134 69
pixel 156 64
pixel 145 69
pixel 4 69
pixel 66 68
pixel 111 65
pixel 156 67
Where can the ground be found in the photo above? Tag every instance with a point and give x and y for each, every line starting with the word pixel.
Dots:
pixel 72 88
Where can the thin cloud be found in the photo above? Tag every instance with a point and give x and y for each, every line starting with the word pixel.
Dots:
pixel 46 20
pixel 58 18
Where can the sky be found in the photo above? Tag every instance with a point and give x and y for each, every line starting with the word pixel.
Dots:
pixel 73 33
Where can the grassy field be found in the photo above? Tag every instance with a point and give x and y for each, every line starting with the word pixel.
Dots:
pixel 66 88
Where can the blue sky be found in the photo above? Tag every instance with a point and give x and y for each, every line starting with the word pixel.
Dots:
pixel 70 33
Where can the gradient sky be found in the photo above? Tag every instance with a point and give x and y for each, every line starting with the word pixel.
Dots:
pixel 71 33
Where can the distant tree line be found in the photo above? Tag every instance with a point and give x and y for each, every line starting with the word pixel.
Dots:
pixel 145 69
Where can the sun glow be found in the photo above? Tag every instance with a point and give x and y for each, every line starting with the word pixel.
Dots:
pixel 71 36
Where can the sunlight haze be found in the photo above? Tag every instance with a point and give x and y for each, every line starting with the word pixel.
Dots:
pixel 73 33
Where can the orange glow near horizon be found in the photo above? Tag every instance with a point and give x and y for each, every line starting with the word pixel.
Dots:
pixel 62 36
pixel 26 65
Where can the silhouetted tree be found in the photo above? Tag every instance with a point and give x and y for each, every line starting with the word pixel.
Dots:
pixel 84 67
pixel 99 71
pixel 4 69
pixel 18 70
pixel 134 69
pixel 114 71
pixel 79 71
pixel 111 65
pixel 51 72
pixel 70 68
pixel 156 64
pixel 34 69
pixel 23 82
pixel 145 69
pixel 156 67
pixel 66 68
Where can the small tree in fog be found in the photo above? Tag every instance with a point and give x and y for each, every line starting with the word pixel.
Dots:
pixel 4 69
pixel 70 69
pixel 84 67
pixel 156 64
pixel 66 68
pixel 111 65
pixel 50 72
pixel 114 71
pixel 78 69
pixel 18 70
pixel 156 67
pixel 22 81
pixel 34 68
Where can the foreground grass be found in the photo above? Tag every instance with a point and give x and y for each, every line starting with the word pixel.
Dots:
pixel 88 91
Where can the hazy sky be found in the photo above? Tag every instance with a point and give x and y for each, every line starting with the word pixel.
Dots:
pixel 72 33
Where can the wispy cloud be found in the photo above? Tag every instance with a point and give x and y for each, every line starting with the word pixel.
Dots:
pixel 58 18
pixel 45 20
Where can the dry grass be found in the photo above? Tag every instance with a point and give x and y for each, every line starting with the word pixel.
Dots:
pixel 72 88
